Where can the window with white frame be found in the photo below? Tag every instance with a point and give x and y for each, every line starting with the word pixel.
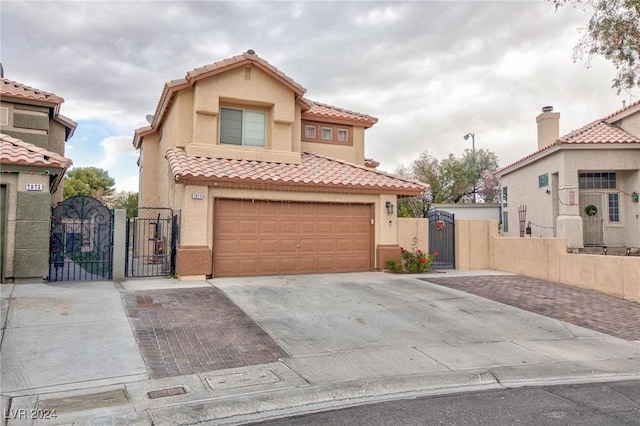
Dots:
pixel 614 208
pixel 504 196
pixel 242 127
pixel 310 132
pixel 327 133
pixel 343 135
pixel 505 221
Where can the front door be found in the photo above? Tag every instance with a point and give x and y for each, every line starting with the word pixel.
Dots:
pixel 592 218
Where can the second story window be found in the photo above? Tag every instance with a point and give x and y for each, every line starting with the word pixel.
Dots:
pixel 242 127
pixel 310 132
pixel 343 135
pixel 327 133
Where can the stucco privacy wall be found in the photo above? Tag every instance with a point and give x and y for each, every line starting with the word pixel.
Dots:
pixel 545 258
pixel 614 275
pixel 473 243
pixel 413 228
pixel 533 257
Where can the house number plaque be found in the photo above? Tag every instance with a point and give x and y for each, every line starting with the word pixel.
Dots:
pixel 197 195
pixel 33 186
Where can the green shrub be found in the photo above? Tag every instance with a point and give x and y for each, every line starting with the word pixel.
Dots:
pixel 394 266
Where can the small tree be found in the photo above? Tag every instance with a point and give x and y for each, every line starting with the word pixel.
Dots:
pixel 457 179
pixel 89 181
pixel 124 200
pixel 614 33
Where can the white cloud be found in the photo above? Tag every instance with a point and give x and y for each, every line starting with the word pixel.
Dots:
pixel 117 150
pixel 430 71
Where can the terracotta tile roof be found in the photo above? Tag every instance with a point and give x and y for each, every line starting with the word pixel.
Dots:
pixel 315 171
pixel 598 132
pixel 17 152
pixel 622 110
pixel 12 89
pixel 326 112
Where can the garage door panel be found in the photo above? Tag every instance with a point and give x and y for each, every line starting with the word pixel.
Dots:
pixel 226 246
pixel 248 247
pixel 269 247
pixel 325 227
pixel 273 237
pixel 289 227
pixel 308 227
pixel 344 228
pixel 269 227
pixel 289 247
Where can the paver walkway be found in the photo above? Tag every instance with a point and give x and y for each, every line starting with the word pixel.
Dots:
pixel 586 308
pixel 186 331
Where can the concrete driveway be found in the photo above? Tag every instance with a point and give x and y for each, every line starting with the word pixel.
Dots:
pixel 343 327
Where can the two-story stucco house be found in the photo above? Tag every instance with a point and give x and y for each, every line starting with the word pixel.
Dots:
pixel 582 186
pixel 267 182
pixel 32 143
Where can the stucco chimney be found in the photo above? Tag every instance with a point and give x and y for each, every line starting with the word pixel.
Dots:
pixel 548 127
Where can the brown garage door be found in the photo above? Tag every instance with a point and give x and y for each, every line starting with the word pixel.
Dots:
pixel 276 237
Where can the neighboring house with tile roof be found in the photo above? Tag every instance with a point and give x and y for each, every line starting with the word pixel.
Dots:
pixel 267 181
pixel 582 186
pixel 32 164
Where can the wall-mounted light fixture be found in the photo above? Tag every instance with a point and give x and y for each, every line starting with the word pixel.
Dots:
pixel 389 206
pixel 605 249
pixel 635 197
pixel 527 230
pixel 628 251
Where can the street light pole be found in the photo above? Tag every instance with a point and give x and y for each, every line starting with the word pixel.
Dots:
pixel 475 172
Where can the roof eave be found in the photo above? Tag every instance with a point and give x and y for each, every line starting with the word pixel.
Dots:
pixel 297 186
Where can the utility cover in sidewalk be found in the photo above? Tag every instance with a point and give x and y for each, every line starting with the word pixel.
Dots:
pixel 84 402
pixel 165 393
pixel 239 380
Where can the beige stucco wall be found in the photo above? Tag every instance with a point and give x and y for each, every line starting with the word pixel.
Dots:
pixel 533 257
pixel 522 188
pixel 249 88
pixel 474 243
pixel 413 229
pixel 546 258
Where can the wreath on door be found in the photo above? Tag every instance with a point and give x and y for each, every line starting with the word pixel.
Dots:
pixel 591 210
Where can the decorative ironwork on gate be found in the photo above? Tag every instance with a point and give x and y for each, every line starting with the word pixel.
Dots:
pixel 441 238
pixel 81 242
pixel 152 238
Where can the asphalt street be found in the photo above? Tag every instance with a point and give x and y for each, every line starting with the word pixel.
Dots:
pixel 597 404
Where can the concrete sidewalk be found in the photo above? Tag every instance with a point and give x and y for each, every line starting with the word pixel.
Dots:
pixel 350 339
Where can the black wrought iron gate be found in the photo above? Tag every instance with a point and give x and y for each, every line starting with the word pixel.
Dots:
pixel 152 238
pixel 442 238
pixel 81 242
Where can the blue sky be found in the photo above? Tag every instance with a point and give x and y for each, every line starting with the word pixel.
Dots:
pixel 430 71
pixel 98 143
